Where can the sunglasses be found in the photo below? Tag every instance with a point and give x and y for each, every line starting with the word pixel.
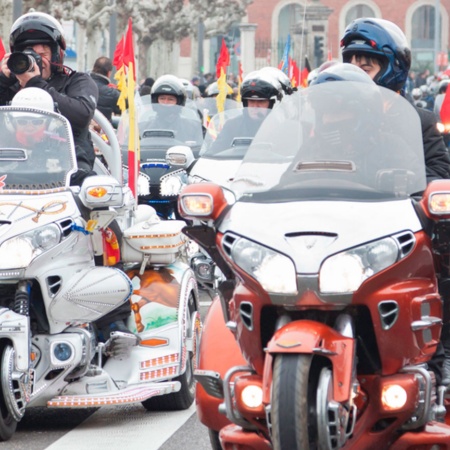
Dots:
pixel 35 122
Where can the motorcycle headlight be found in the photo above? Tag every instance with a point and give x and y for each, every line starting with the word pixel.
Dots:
pixel 345 272
pixel 18 252
pixel 274 271
pixel 170 185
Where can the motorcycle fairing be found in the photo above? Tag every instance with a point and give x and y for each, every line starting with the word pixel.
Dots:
pixel 20 213
pixel 81 299
pixel 284 226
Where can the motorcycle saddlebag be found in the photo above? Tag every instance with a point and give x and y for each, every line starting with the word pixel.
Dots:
pixel 160 241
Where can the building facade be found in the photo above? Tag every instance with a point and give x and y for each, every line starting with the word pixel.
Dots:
pixel 315 28
pixel 327 19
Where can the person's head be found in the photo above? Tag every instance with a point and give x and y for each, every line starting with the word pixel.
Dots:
pixel 189 88
pixel 168 90
pixel 380 48
pixel 103 66
pixel 45 35
pixel 340 116
pixel 279 75
pixel 443 86
pixel 30 126
pixel 212 90
pixel 258 86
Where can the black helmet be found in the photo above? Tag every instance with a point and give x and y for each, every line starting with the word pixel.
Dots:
pixel 39 28
pixel 169 85
pixel 279 75
pixel 258 87
pixel 383 40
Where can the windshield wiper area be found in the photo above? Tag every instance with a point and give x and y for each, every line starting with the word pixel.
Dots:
pixel 13 154
pixel 339 166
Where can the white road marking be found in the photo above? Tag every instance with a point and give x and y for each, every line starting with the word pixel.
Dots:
pixel 123 427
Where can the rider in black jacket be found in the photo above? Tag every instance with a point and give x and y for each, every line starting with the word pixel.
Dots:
pixel 75 93
pixel 380 48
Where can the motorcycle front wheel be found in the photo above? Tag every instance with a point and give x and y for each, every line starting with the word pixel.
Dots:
pixel 300 394
pixel 8 424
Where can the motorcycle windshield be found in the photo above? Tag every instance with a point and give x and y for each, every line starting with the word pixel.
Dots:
pixel 208 105
pixel 336 140
pixel 223 139
pixel 163 126
pixel 36 150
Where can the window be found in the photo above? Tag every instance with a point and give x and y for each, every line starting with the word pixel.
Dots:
pixel 358 11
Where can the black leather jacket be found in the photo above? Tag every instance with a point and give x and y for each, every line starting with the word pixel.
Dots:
pixel 107 96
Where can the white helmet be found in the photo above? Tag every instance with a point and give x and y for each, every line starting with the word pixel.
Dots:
pixel 35 98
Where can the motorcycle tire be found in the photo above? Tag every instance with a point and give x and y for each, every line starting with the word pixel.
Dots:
pixel 214 439
pixel 293 421
pixel 184 398
pixel 8 424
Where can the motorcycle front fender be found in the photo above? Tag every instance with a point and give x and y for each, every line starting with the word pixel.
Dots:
pixel 16 328
pixel 314 338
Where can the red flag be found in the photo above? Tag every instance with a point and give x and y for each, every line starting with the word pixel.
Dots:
pixel 223 60
pixel 2 49
pixel 118 54
pixel 124 61
pixel 128 48
pixel 294 73
pixel 304 77
pixel 445 108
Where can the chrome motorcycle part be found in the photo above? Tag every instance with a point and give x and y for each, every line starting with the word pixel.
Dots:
pixel 13 386
pixel 335 422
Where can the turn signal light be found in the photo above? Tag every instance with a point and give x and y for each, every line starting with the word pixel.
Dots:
pixel 197 205
pixel 440 203
pixel 97 191
pixel 393 397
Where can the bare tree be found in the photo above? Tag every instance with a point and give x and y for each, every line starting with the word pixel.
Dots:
pixel 160 24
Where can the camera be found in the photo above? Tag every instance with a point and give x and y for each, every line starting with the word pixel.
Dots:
pixel 21 62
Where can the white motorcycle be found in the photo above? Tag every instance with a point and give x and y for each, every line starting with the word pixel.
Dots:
pixel 52 290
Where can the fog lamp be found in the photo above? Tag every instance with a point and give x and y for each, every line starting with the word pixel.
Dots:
pixel 62 351
pixel 252 396
pixel 393 397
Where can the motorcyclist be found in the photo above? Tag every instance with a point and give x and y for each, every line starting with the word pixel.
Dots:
pixel 259 93
pixel 168 97
pixel 380 48
pixel 340 129
pixel 75 93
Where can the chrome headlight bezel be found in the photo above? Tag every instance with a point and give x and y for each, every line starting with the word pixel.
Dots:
pixel 344 272
pixel 274 271
pixel 19 251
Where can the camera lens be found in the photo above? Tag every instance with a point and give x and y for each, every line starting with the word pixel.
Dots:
pixel 19 63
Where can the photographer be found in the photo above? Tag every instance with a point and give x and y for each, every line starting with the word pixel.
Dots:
pixel 41 38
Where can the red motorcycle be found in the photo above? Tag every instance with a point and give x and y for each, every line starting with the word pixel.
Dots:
pixel 333 247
